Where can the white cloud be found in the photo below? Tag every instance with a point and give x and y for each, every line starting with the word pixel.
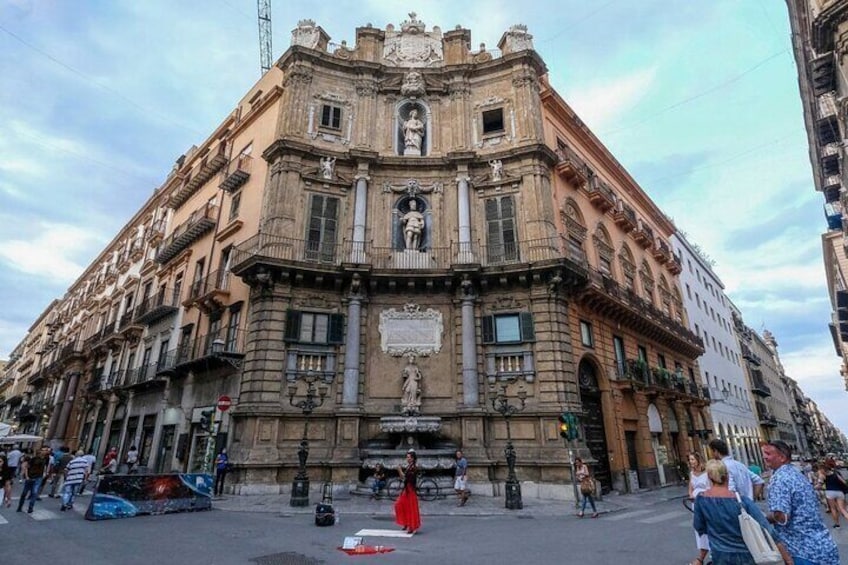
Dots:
pixel 601 104
pixel 49 254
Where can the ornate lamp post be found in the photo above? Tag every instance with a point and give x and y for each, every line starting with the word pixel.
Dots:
pixel 500 403
pixel 300 484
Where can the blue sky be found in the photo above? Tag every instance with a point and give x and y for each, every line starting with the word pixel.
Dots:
pixel 698 100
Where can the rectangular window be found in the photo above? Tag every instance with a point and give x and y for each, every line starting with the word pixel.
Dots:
pixel 586 334
pixel 331 117
pixel 618 346
pixel 321 230
pixel 508 328
pixel 697 330
pixel 178 288
pixel 233 328
pixel 661 361
pixel 493 121
pixel 235 204
pixel 163 353
pixel 310 327
pixel 688 291
pixel 500 223
pixel 643 354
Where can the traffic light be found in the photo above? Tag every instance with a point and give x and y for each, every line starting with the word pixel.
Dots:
pixel 565 425
pixel 206 420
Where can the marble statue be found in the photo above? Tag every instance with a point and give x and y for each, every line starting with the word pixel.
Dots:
pixel 328 165
pixel 413 134
pixel 497 169
pixel 413 226
pixel 413 84
pixel 411 391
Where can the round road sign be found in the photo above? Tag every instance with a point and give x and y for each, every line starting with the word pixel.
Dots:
pixel 224 403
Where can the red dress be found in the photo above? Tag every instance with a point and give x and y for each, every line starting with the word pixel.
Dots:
pixel 406 507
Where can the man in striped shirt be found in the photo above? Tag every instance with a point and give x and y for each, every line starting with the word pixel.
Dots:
pixel 76 472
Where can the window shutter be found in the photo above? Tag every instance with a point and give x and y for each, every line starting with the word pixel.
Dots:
pixel 525 322
pixel 488 323
pixel 292 325
pixel 335 335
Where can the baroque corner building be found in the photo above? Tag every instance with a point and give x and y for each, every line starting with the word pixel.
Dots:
pixel 438 226
pixel 406 243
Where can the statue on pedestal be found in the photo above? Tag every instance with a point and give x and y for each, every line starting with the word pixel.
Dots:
pixel 413 134
pixel 411 391
pixel 413 226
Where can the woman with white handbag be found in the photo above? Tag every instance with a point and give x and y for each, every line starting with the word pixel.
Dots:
pixel 722 515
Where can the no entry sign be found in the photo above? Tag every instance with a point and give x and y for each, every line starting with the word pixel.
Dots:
pixel 224 403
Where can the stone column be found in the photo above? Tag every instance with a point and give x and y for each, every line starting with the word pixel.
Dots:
pixel 157 430
pixel 350 393
pixel 107 425
pixel 357 252
pixel 464 219
pixel 470 394
pixel 67 403
pixel 55 414
pixel 98 404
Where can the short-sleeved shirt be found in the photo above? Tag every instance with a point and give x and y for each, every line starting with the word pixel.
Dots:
pixel 805 535
pixel 739 478
pixel 719 519
pixel 461 467
pixel 76 470
pixel 35 467
pixel 14 458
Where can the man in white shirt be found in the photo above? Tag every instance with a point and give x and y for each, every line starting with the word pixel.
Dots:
pixel 740 478
pixel 13 460
pixel 91 459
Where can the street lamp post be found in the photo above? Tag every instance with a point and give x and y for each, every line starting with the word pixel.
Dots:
pixel 300 484
pixel 500 403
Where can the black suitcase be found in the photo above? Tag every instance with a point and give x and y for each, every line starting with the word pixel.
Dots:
pixel 325 515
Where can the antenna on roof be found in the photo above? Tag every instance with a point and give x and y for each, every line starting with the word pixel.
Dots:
pixel 263 8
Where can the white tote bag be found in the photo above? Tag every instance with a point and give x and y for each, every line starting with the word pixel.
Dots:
pixel 757 539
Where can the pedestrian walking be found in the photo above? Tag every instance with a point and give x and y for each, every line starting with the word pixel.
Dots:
pixel 698 482
pixel 587 487
pixel 61 458
pixel 132 459
pixel 13 458
pixel 834 491
pixel 76 473
pixel 33 471
pixel 460 483
pixel 91 460
pixel 717 515
pixel 407 513
pixel 379 480
pixel 7 477
pixel 110 462
pixel 794 511
pixel 222 466
pixel 740 478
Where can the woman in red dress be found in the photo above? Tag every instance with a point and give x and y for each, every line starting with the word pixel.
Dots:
pixel 406 507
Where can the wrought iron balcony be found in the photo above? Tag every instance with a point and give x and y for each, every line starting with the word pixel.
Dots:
pixel 601 195
pixel 661 252
pixel 211 291
pixel 624 216
pixel 211 351
pixel 674 267
pixel 571 166
pixel 823 73
pixel 201 221
pixel 71 351
pixel 144 375
pixel 156 232
pixel 238 173
pixel 758 385
pixel 152 308
pixel 644 234
pixel 200 175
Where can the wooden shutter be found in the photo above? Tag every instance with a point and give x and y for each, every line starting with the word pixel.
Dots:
pixel 322 227
pixel 335 333
pixel 500 224
pixel 525 323
pixel 488 325
pixel 292 325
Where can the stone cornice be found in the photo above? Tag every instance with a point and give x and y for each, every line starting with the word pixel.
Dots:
pixel 825 24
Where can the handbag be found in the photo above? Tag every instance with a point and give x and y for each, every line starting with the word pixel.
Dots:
pixel 587 486
pixel 757 539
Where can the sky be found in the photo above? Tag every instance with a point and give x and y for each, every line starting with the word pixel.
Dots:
pixel 698 100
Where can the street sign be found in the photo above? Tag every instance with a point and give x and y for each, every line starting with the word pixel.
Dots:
pixel 224 403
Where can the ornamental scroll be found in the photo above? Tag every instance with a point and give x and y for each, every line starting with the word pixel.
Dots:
pixel 411 331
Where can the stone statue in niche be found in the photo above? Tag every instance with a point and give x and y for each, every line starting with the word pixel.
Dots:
pixel 413 134
pixel 413 84
pixel 497 169
pixel 413 226
pixel 411 390
pixel 328 165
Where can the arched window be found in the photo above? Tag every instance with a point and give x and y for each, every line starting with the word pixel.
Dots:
pixel 628 267
pixel 604 249
pixel 647 277
pixel 575 230
pixel 665 296
pixel 678 306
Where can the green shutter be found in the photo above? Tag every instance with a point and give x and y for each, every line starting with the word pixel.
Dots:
pixel 335 333
pixel 525 322
pixel 292 325
pixel 488 324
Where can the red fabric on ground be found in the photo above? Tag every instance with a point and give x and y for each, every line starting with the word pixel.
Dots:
pixel 367 549
pixel 406 509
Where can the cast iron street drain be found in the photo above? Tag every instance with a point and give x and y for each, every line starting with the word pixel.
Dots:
pixel 288 558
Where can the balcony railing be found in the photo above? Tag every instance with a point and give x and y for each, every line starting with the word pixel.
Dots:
pixel 644 234
pixel 758 386
pixel 200 175
pixel 657 379
pixel 226 343
pixel 571 166
pixel 601 195
pixel 216 282
pixel 156 232
pixel 73 349
pixel 238 174
pixel 624 216
pixel 152 308
pixel 201 221
pixel 661 252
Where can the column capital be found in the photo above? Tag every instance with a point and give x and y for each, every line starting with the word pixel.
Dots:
pixel 463 178
pixel 362 176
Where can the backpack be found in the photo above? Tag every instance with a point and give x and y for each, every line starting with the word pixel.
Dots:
pixel 325 515
pixel 757 539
